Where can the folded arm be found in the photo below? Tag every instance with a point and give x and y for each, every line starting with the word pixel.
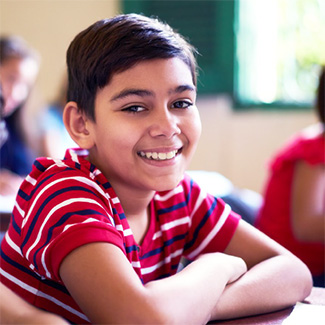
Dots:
pixel 15 310
pixel 275 278
pixel 104 284
pixel 215 286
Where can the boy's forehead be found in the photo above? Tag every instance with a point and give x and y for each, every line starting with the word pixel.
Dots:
pixel 137 72
pixel 148 77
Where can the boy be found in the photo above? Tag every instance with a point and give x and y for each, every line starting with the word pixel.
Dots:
pixel 99 236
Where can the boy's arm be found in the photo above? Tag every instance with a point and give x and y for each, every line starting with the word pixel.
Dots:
pixel 275 278
pixel 104 284
pixel 15 310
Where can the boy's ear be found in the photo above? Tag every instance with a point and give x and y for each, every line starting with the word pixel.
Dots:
pixel 77 124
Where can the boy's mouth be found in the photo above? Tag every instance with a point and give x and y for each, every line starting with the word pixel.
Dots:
pixel 159 155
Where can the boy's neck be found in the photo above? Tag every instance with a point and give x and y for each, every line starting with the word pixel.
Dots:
pixel 134 203
pixel 137 211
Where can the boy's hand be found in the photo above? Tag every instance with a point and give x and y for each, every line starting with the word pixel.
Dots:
pixel 231 266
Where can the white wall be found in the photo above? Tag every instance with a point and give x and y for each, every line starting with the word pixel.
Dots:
pixel 49 26
pixel 236 144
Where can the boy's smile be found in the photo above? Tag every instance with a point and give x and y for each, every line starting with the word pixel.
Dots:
pixel 146 126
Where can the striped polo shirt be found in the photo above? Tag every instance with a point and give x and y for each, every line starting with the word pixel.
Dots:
pixel 64 204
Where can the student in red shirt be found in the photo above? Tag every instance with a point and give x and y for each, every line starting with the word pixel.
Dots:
pixel 293 212
pixel 99 236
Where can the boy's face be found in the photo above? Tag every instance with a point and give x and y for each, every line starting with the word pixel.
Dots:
pixel 147 126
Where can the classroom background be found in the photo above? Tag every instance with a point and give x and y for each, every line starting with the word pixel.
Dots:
pixel 237 141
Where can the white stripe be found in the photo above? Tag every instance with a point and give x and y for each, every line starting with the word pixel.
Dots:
pixel 157 235
pixel 85 221
pixel 212 233
pixel 136 264
pixel 74 156
pixel 200 199
pixel 12 244
pixel 30 180
pixel 59 206
pixel 119 228
pixel 59 163
pixel 115 200
pixel 78 152
pixel 175 223
pixel 127 232
pixel 48 274
pixel 20 210
pixel 170 225
pixel 76 178
pixel 42 294
pixel 176 190
pixel 96 172
pixel 151 269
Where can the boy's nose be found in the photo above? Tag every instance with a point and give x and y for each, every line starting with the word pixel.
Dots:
pixel 164 123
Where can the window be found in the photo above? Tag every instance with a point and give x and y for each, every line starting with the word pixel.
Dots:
pixel 209 27
pixel 261 53
pixel 280 47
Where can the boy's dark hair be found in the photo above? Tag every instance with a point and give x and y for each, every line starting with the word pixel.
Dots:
pixel 114 45
pixel 320 100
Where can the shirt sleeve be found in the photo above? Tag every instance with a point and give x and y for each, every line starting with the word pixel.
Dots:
pixel 66 212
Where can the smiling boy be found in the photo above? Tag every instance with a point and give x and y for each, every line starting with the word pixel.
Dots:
pixel 98 237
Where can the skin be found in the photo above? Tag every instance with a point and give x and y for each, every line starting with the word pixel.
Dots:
pixel 249 278
pixel 308 202
pixel 17 76
pixel 15 310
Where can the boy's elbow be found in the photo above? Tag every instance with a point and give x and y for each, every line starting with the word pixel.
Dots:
pixel 303 279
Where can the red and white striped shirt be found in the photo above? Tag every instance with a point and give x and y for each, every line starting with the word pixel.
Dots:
pixel 64 204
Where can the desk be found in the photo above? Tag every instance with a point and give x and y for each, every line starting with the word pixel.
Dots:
pixel 6 207
pixel 317 297
pixel 4 220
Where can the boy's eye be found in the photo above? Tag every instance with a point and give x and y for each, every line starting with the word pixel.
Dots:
pixel 182 104
pixel 133 109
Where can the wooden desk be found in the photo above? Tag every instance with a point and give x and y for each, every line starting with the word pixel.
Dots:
pixel 6 207
pixel 317 297
pixel 4 220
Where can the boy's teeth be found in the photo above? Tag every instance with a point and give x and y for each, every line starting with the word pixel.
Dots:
pixel 159 155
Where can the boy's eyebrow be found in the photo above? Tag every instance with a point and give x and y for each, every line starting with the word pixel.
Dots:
pixel 182 88
pixel 131 91
pixel 143 92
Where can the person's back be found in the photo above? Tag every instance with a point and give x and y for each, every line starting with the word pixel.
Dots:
pixel 293 209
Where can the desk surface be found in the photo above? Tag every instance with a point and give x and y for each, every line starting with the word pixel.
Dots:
pixel 317 297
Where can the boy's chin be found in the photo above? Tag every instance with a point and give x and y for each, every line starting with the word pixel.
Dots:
pixel 167 183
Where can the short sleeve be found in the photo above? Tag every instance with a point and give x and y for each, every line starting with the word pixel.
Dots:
pixel 68 210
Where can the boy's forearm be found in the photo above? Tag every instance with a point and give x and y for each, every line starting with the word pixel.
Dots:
pixel 15 310
pixel 271 285
pixel 189 296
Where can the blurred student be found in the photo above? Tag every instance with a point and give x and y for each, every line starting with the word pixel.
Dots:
pixel 293 212
pixel 19 66
pixel 3 128
pixel 13 309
